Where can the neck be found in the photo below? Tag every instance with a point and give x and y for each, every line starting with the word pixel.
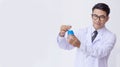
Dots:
pixel 98 28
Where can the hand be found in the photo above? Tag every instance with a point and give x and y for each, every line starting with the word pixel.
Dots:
pixel 63 30
pixel 73 41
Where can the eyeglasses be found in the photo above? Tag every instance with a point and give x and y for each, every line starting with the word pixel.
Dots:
pixel 95 17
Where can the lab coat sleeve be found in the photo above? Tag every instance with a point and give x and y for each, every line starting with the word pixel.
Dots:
pixel 103 49
pixel 62 42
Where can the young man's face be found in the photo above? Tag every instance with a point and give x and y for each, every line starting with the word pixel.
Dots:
pixel 99 18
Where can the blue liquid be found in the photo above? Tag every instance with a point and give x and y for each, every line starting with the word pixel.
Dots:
pixel 70 32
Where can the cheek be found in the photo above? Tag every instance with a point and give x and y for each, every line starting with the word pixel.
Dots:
pixel 103 23
pixel 99 22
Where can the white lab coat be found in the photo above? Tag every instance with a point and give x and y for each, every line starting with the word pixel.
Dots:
pixel 91 54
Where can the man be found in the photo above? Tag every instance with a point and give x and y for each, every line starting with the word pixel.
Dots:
pixel 93 43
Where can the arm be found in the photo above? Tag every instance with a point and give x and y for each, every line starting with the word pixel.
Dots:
pixel 62 42
pixel 69 42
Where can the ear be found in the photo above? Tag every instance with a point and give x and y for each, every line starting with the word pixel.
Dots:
pixel 107 18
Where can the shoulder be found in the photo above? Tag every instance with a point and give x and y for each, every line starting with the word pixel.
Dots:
pixel 109 35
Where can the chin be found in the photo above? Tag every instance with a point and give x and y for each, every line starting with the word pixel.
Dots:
pixel 97 26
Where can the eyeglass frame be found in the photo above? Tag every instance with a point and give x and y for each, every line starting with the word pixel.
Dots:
pixel 95 17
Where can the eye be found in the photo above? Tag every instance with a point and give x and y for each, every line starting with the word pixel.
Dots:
pixel 102 16
pixel 94 16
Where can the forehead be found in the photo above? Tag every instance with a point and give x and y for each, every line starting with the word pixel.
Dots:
pixel 99 12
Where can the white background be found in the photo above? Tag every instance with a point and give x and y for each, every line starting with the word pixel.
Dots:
pixel 28 31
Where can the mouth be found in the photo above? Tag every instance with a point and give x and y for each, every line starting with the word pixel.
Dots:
pixel 98 24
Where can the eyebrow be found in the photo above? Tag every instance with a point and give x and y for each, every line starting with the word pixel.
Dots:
pixel 98 15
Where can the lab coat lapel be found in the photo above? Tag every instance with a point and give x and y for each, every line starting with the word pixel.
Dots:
pixel 89 40
pixel 97 38
pixel 100 34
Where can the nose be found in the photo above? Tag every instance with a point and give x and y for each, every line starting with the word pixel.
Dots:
pixel 98 20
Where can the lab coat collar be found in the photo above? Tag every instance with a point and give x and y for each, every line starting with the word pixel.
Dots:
pixel 100 33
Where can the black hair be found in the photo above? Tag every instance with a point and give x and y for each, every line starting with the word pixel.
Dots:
pixel 102 6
